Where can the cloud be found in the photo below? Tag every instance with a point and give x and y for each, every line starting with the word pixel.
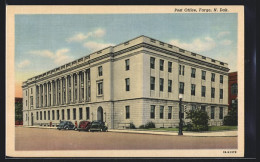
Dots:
pixel 59 57
pixel 95 46
pixel 79 37
pixel 197 45
pixel 24 63
pixel 226 42
pixel 222 34
pixel 229 57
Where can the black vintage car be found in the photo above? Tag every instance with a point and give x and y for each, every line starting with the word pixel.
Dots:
pixel 68 125
pixel 98 126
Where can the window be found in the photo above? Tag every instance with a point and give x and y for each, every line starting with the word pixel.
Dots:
pixel 74 114
pixel 169 112
pixel 41 115
pixel 37 116
pixel 152 62
pixel 181 70
pixel 212 92
pixel 31 100
pixel 161 84
pixel 87 112
pixel 31 91
pixel 44 115
pixel 100 88
pixel 203 75
pixel 48 115
pixel 152 111
pixel 169 85
pixel 152 86
pixel 26 93
pixel 100 73
pixel 161 112
pixel 181 88
pixel 221 79
pixel 193 87
pixel 212 77
pixel 80 113
pixel 221 94
pixel 58 115
pixel 127 84
pixel 127 112
pixel 161 64
pixel 26 102
pixel 221 113
pixel 53 115
pixel 127 64
pixel 68 114
pixel 193 72
pixel 203 108
pixel 212 112
pixel 203 91
pixel 234 89
pixel 62 114
pixel 169 67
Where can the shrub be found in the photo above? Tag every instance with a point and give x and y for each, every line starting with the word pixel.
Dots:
pixel 199 120
pixel 132 126
pixel 141 126
pixel 231 118
pixel 149 125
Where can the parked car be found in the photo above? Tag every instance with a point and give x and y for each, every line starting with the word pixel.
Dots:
pixel 68 125
pixel 98 126
pixel 84 125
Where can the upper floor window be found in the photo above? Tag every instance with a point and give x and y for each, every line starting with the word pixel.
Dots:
pixel 221 94
pixel 31 100
pixel 203 91
pixel 181 88
pixel 181 69
pixel 152 86
pixel 169 85
pixel 193 72
pixel 127 64
pixel 100 88
pixel 221 79
pixel 31 90
pixel 127 84
pixel 26 93
pixel 213 77
pixel 161 84
pixel 193 87
pixel 152 62
pixel 161 64
pixel 169 67
pixel 212 92
pixel 203 75
pixel 127 112
pixel 100 71
pixel 234 89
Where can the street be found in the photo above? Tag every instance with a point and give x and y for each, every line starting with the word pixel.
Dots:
pixel 53 139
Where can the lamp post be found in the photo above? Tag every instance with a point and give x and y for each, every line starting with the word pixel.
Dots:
pixel 180 115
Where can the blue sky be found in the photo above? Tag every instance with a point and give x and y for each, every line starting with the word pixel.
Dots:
pixel 43 42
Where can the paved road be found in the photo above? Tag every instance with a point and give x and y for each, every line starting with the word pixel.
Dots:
pixel 52 139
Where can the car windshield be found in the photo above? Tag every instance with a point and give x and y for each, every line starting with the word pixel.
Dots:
pixel 62 123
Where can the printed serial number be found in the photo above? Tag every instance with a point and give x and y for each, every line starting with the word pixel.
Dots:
pixel 229 152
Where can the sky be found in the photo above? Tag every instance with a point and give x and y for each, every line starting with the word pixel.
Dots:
pixel 44 41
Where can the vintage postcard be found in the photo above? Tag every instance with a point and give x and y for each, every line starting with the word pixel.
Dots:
pixel 125 81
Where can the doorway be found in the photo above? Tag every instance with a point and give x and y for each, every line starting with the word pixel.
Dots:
pixel 100 114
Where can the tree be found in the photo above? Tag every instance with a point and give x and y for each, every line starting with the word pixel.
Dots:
pixel 19 112
pixel 231 118
pixel 199 120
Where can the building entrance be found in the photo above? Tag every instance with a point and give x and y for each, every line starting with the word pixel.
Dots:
pixel 100 113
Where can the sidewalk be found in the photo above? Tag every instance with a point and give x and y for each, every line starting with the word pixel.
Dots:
pixel 169 133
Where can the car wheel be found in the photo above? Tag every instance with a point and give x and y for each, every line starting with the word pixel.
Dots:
pixel 67 128
pixel 101 130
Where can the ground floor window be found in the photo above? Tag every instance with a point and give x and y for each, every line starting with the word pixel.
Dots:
pixel 127 112
pixel 44 115
pixel 41 115
pixel 221 113
pixel 49 115
pixel 58 115
pixel 87 112
pixel 169 112
pixel 37 116
pixel 161 112
pixel 74 114
pixel 68 114
pixel 53 115
pixel 212 113
pixel 203 108
pixel 62 114
pixel 80 113
pixel 152 111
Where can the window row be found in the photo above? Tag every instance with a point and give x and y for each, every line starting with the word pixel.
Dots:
pixel 60 114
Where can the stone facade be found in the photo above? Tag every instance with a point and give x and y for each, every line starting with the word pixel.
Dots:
pixel 123 83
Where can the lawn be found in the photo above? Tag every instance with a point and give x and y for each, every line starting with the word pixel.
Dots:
pixel 211 128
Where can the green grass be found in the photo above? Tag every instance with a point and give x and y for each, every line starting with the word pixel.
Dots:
pixel 211 128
